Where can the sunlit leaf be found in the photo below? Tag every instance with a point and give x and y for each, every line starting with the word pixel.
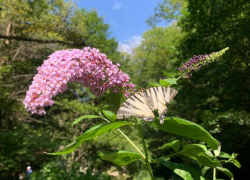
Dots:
pixel 85 117
pixel 167 82
pixel 198 153
pixel 235 162
pixel 185 172
pixel 121 158
pixel 174 144
pixel 108 114
pixel 217 152
pixel 90 134
pixel 187 129
pixel 154 84
pixel 225 155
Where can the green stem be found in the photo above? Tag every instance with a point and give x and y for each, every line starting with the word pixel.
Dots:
pixel 146 152
pixel 131 142
pixel 214 174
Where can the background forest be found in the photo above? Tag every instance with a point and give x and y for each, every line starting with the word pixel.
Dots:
pixel 217 97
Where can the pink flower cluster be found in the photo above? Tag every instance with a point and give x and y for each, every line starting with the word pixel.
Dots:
pixel 88 67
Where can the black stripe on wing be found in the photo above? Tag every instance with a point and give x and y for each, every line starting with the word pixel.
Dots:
pixel 130 105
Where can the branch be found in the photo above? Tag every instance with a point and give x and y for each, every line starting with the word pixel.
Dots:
pixel 42 40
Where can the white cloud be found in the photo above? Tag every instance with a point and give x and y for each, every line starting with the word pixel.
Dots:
pixel 116 6
pixel 130 44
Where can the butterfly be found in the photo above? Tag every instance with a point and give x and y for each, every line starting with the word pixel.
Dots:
pixel 143 104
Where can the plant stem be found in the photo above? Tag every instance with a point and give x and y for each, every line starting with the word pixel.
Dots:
pixel 132 143
pixel 146 152
pixel 214 174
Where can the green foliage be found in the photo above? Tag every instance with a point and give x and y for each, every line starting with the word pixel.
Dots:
pixel 24 137
pixel 154 84
pixel 199 153
pixel 168 10
pixel 91 133
pixel 115 100
pixel 187 129
pixel 121 158
pixel 185 172
pixel 108 114
pixel 174 144
pixel 168 82
pixel 155 56
pixel 85 117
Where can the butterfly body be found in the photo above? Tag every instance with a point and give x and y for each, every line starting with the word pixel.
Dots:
pixel 142 104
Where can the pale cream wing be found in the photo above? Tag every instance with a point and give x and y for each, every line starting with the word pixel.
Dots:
pixel 162 96
pixel 170 93
pixel 135 106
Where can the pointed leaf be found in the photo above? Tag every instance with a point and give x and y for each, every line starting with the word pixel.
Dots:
pixel 154 84
pixel 121 158
pixel 225 155
pixel 115 100
pixel 174 144
pixel 167 82
pixel 187 129
pixel 92 133
pixel 109 115
pixel 231 159
pixel 198 153
pixel 185 172
pixel 235 162
pixel 227 172
pixel 85 117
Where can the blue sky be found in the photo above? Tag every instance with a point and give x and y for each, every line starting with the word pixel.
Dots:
pixel 127 18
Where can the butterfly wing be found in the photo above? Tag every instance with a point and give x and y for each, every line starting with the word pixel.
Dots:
pixel 164 96
pixel 143 103
pixel 136 106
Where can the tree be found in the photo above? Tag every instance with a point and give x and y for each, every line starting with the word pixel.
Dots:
pixel 28 30
pixel 156 55
pixel 218 95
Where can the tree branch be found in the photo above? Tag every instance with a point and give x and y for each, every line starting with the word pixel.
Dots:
pixel 41 40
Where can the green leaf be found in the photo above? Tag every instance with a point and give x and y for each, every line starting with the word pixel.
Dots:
pixel 187 129
pixel 154 84
pixel 85 117
pixel 105 107
pixel 115 100
pixel 174 144
pixel 185 172
pixel 231 159
pixel 199 153
pixel 235 162
pixel 158 160
pixel 90 134
pixel 121 158
pixel 225 155
pixel 109 115
pixel 204 170
pixel 167 82
pixel 227 172
pixel 217 152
